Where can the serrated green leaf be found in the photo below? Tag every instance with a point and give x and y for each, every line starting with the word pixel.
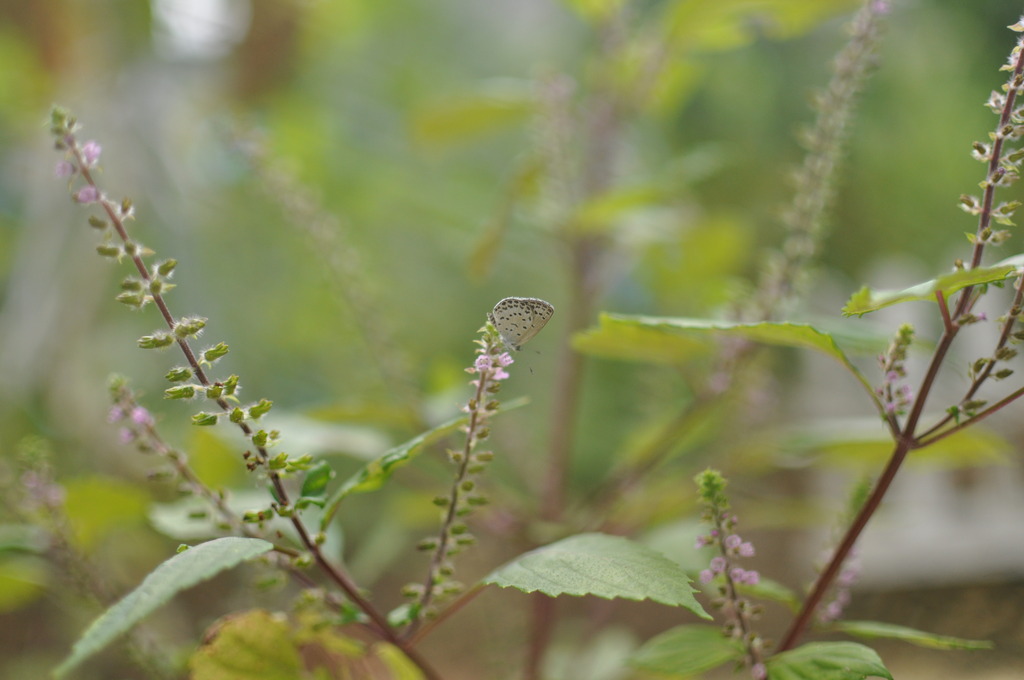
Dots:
pixel 827 661
pixel 373 475
pixel 182 571
pixel 673 340
pixel 866 300
pixel 687 650
pixel 601 565
pixel 876 629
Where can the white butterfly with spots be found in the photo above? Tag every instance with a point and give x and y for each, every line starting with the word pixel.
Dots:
pixel 518 319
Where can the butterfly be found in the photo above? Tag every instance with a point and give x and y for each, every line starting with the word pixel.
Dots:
pixel 518 319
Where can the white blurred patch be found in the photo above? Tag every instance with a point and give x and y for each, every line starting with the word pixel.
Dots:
pixel 199 29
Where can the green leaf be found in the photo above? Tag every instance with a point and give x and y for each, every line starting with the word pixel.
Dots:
pixel 866 300
pixel 725 24
pixel 373 475
pixel 601 565
pixel 499 104
pixel 182 571
pixel 600 213
pixel 650 339
pixel 687 650
pixel 317 478
pixel 865 443
pixel 767 589
pixel 876 629
pixel 827 661
pixel 23 578
pixel 673 340
pixel 254 645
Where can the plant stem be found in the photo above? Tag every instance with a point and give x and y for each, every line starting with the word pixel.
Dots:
pixel 336 574
pixel 908 439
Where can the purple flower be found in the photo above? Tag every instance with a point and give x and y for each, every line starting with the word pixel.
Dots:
pixel 718 564
pixel 732 541
pixel 126 436
pixel 706 576
pixel 701 542
pixel 141 416
pixel 505 359
pixel 482 363
pixel 746 549
pixel 64 169
pixel 116 413
pixel 87 194
pixel 91 153
pixel 758 671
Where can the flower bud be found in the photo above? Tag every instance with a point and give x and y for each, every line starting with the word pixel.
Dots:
pixel 158 340
pixel 215 352
pixel 178 374
pixel 180 392
pixel 166 267
pixel 260 409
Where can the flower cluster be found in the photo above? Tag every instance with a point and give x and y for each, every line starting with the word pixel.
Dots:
pixel 135 418
pixel 732 546
pixel 896 396
pixel 848 576
pixel 739 612
pixel 489 369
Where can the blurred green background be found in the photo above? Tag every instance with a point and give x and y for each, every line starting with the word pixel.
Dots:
pixel 350 186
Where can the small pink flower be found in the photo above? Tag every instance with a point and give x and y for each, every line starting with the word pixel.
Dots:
pixel 701 542
pixel 87 194
pixel 758 671
pixel 126 436
pixel 746 549
pixel 732 541
pixel 91 153
pixel 64 169
pixel 141 416
pixel 505 359
pixel 718 564
pixel 752 578
pixel 482 363
pixel 706 576
pixel 499 374
pixel 116 413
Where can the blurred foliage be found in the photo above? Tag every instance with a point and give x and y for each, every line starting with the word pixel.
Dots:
pixel 350 186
